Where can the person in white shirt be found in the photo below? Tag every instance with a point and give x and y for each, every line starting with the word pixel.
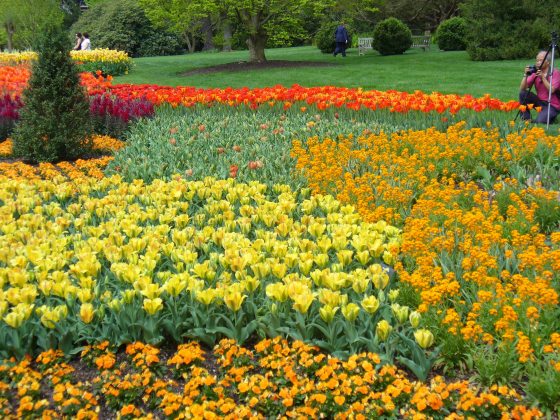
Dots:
pixel 86 44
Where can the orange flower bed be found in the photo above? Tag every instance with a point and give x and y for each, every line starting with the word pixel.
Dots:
pixel 274 379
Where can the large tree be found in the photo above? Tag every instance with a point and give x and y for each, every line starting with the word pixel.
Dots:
pixel 259 17
pixel 23 19
pixel 185 17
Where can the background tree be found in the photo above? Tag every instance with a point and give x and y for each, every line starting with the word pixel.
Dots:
pixel 260 19
pixel 54 122
pixel 21 20
pixel 420 15
pixel 509 29
pixel 184 17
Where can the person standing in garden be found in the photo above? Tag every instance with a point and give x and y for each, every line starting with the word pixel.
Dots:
pixel 79 39
pixel 341 39
pixel 86 44
pixel 540 76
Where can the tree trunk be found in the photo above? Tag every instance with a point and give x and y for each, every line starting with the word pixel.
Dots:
pixel 190 42
pixel 10 29
pixel 208 35
pixel 256 44
pixel 226 25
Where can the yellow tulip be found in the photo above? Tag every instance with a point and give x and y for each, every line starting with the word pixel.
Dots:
pixel 350 311
pixel 233 300
pixel 345 256
pixel 206 296
pixel 277 291
pixel 383 329
pixel 370 304
pixel 327 313
pixel 86 312
pixel 393 295
pixel 400 312
pixel 151 306
pixel 414 319
pixel 302 302
pixel 424 338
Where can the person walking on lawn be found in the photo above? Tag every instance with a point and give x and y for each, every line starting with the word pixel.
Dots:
pixel 341 39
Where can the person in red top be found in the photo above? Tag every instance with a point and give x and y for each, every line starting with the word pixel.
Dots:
pixel 541 78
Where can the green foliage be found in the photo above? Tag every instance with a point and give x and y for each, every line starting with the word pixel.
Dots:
pixel 450 35
pixel 28 17
pixel 496 366
pixel 544 385
pixel 124 26
pixel 325 38
pixel 391 36
pixel 508 29
pixel 160 43
pixel 55 122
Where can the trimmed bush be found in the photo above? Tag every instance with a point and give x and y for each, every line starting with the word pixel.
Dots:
pixel 55 123
pixel 325 38
pixel 391 36
pixel 451 34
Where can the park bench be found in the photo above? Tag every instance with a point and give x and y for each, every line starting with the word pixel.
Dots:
pixel 418 41
pixel 364 44
pixel 422 41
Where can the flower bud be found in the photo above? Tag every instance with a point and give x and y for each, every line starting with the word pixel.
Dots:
pixel 393 295
pixel 414 319
pixel 382 330
pixel 424 338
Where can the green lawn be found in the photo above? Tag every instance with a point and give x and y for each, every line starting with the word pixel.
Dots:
pixel 446 72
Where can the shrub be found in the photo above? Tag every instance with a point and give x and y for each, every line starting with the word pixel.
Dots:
pixel 120 25
pixel 511 31
pixel 112 116
pixel 160 43
pixel 391 36
pixel 451 34
pixel 55 122
pixel 325 38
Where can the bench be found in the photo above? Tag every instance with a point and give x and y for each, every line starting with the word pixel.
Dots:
pixel 422 41
pixel 418 41
pixel 364 44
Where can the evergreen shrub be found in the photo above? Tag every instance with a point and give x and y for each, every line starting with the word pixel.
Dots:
pixel 54 122
pixel 325 38
pixel 451 34
pixel 391 36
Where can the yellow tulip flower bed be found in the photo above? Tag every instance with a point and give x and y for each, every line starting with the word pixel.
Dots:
pixel 110 62
pixel 275 379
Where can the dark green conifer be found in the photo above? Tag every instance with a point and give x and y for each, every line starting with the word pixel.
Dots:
pixel 55 122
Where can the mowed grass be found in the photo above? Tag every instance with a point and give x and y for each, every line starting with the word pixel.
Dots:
pixel 431 71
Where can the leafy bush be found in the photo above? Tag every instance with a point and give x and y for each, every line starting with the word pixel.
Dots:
pixel 160 43
pixel 511 31
pixel 55 122
pixel 325 38
pixel 391 36
pixel 451 34
pixel 112 116
pixel 120 25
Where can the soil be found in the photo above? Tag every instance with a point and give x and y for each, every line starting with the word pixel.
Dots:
pixel 246 65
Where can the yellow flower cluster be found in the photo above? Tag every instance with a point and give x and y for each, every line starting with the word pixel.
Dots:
pixel 102 55
pixel 222 242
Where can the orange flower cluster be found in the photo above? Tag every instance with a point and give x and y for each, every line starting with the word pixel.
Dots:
pixel 274 379
pixel 322 97
pixel 457 236
pixel 72 170
pixel 13 80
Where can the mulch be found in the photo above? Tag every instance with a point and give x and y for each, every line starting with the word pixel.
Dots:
pixel 246 65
